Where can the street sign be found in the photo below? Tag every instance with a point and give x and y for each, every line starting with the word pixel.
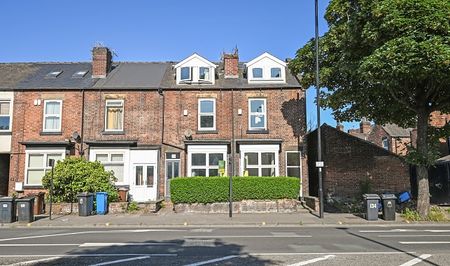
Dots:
pixel 319 164
pixel 221 168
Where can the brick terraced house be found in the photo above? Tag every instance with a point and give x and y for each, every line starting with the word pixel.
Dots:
pixel 153 121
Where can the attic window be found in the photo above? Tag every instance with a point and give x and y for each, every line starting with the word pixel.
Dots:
pixel 53 74
pixel 79 74
pixel 186 73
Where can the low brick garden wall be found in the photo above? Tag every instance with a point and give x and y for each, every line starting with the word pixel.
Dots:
pixel 65 208
pixel 245 206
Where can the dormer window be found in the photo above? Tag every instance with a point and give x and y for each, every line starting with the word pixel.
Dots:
pixel 257 73
pixel 186 73
pixel 275 72
pixel 266 68
pixel 195 70
pixel 204 73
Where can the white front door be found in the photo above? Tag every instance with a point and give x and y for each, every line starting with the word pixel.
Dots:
pixel 143 182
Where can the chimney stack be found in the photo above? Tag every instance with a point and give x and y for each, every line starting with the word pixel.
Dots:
pixel 231 64
pixel 364 126
pixel 101 61
pixel 340 127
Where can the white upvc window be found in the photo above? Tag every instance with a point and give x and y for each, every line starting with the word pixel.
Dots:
pixel 257 73
pixel 293 164
pixel 37 164
pixel 385 143
pixel 112 161
pixel 52 115
pixel 257 114
pixel 5 115
pixel 204 74
pixel 203 160
pixel 114 112
pixel 275 73
pixel 207 114
pixel 259 160
pixel 186 73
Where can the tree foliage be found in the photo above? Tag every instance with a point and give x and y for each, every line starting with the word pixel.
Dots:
pixel 388 61
pixel 74 175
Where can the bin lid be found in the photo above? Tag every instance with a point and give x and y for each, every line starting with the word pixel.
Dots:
pixel 102 193
pixel 84 194
pixel 371 196
pixel 388 196
pixel 6 199
pixel 25 199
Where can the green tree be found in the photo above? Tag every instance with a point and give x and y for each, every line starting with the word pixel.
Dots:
pixel 389 61
pixel 74 175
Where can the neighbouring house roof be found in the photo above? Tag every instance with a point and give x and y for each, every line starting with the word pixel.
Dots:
pixel 134 75
pixel 40 78
pixel 395 131
pixel 13 73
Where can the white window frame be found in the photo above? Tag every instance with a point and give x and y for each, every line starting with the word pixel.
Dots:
pixel 250 114
pixel 190 73
pixel 8 115
pixel 206 149
pixel 109 152
pixel 209 73
pixel 385 143
pixel 122 102
pixel 200 114
pixel 52 115
pixel 61 151
pixel 281 73
pixel 300 162
pixel 262 73
pixel 263 148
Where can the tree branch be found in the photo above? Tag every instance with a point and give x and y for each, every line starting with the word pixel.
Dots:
pixel 407 105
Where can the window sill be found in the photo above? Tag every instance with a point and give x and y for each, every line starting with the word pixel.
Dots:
pixel 207 132
pixel 122 132
pixel 50 133
pixel 258 131
pixel 32 186
pixel 8 133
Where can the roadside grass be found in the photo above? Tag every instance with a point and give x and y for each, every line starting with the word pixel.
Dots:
pixel 436 214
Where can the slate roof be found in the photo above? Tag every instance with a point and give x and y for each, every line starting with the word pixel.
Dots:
pixel 39 80
pixel 395 131
pixel 134 75
pixel 13 73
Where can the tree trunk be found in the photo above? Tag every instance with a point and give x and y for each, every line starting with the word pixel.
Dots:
pixel 423 191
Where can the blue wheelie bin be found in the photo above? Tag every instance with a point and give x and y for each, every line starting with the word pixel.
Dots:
pixel 102 202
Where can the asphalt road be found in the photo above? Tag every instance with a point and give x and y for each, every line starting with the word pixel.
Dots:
pixel 378 245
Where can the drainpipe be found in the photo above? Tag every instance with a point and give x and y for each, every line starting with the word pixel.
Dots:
pixel 82 124
pixel 230 214
pixel 161 93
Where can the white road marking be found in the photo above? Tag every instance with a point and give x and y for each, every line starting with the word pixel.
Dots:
pixel 396 236
pixel 201 230
pixel 306 262
pixel 92 255
pixel 34 261
pixel 437 231
pixel 36 245
pixel 119 261
pixel 250 236
pixel 328 253
pixel 124 244
pixel 423 242
pixel 90 232
pixel 388 231
pixel 212 261
pixel 416 260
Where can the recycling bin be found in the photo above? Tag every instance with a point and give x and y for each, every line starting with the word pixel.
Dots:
pixel 7 210
pixel 371 206
pixel 25 209
pixel 85 203
pixel 388 202
pixel 102 202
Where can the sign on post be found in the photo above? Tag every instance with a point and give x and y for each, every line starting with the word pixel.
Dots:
pixel 221 168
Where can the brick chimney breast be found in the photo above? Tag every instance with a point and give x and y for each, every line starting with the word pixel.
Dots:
pixel 231 65
pixel 365 127
pixel 101 62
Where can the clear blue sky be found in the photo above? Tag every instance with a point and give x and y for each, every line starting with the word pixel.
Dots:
pixel 168 30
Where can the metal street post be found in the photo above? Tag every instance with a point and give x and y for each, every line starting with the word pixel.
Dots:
pixel 319 163
pixel 51 162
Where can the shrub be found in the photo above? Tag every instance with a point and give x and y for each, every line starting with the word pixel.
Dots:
pixel 411 215
pixel 74 175
pixel 216 189
pixel 437 215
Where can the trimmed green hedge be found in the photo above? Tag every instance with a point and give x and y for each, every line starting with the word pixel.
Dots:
pixel 215 189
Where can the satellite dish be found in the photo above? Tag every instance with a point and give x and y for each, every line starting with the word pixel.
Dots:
pixel 188 134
